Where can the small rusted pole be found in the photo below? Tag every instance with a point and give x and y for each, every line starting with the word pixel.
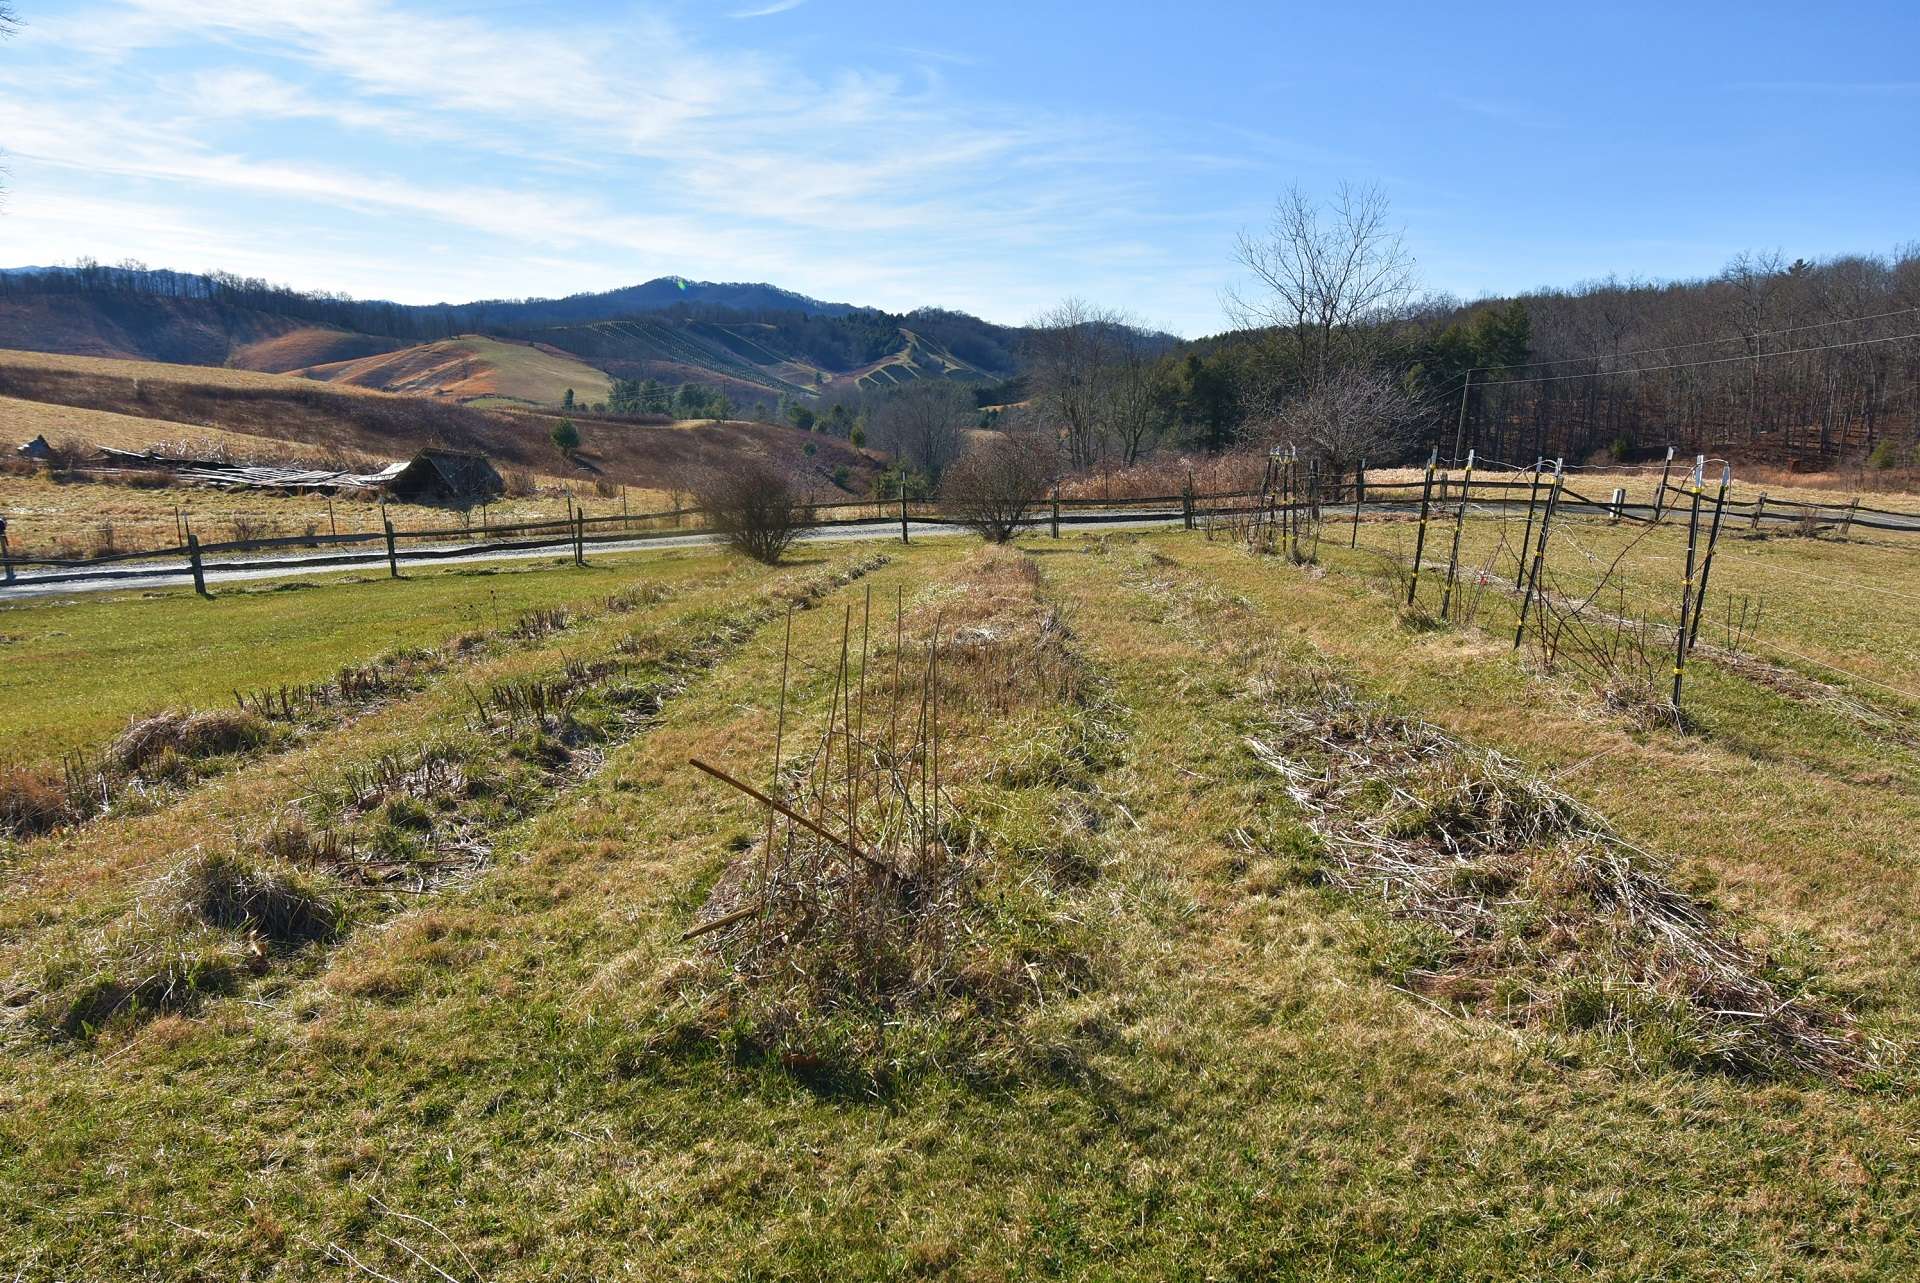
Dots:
pixel 1459 526
pixel 1539 551
pixel 1686 593
pixel 1359 497
pixel 1713 541
pixel 199 571
pixel 1526 539
pixel 1420 538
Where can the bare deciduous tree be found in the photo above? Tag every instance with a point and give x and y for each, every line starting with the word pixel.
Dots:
pixel 1093 372
pixel 756 504
pixel 998 485
pixel 1357 413
pixel 921 425
pixel 1322 274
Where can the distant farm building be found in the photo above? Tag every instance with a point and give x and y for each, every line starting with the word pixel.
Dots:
pixel 36 449
pixel 432 476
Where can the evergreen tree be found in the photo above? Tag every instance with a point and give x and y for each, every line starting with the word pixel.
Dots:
pixel 566 437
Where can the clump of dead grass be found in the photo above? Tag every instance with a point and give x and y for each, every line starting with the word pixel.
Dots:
pixel 31 801
pixel 1522 905
pixel 278 903
pixel 189 734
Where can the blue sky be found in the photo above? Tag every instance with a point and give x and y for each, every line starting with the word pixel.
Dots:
pixel 993 157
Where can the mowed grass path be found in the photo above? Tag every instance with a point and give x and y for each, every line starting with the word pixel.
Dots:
pixel 73 671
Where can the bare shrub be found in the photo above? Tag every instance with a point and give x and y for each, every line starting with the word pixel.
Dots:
pixel 756 505
pixel 1356 413
pixel 69 453
pixel 519 483
pixel 605 488
pixel 247 528
pixel 105 540
pixel 996 486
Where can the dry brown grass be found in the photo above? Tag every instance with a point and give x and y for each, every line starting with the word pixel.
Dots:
pixel 31 801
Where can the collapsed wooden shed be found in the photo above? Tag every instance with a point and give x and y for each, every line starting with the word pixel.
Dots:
pixel 446 476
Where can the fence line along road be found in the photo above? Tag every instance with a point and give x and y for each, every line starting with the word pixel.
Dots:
pixel 215 563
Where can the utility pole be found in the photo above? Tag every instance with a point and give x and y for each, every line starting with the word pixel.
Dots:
pixel 1460 429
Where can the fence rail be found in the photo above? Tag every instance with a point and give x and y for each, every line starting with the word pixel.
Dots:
pixel 1356 494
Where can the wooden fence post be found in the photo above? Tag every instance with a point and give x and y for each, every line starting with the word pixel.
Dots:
pixel 1186 502
pixel 1686 594
pixel 193 559
pixel 580 537
pixel 6 557
pixel 1056 510
pixel 1853 509
pixel 903 509
pixel 1420 538
pixel 393 553
pixel 1539 551
pixel 1459 526
pixel 1660 495
pixel 1759 510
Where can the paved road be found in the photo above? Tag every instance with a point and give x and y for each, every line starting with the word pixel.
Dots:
pixel 172 575
pixel 128 578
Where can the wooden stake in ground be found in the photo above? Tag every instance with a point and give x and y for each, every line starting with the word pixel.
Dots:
pixel 193 559
pixel 393 553
pixel 1420 538
pixel 1459 526
pixel 903 507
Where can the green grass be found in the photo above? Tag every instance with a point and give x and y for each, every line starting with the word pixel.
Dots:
pixel 76 669
pixel 504 1078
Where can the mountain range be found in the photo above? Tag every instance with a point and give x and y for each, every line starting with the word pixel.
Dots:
pixel 757 342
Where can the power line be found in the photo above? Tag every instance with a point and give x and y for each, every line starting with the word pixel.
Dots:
pixel 1718 360
pixel 1678 347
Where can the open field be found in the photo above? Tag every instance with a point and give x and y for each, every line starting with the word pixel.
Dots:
pixel 52 517
pixel 1158 1039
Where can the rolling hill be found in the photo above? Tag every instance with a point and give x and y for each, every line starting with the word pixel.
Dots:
pixel 469 368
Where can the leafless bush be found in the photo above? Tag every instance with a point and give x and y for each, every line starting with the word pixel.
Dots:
pixel 246 528
pixel 1357 413
pixel 69 453
pixel 519 483
pixel 996 486
pixel 606 489
pixel 756 505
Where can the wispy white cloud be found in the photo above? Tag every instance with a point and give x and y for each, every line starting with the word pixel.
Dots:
pixel 394 128
pixel 768 10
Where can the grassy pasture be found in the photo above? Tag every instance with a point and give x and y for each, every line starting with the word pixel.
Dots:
pixel 77 670
pixel 510 1077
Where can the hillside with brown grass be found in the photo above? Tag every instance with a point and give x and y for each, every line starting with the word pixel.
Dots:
pixel 316 419
pixel 470 367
